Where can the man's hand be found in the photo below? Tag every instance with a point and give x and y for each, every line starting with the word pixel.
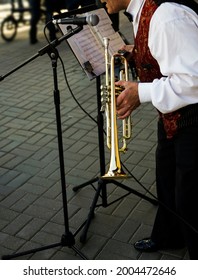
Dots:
pixel 128 51
pixel 128 100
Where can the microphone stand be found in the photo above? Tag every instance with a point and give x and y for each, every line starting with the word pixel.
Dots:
pixel 67 238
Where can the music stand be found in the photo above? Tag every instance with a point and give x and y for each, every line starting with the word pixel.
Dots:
pixel 102 182
pixel 67 238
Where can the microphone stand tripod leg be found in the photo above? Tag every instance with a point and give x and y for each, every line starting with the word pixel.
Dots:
pixel 91 214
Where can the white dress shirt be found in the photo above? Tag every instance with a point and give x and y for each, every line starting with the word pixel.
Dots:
pixel 173 42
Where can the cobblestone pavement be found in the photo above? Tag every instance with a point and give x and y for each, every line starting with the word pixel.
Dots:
pixel 31 206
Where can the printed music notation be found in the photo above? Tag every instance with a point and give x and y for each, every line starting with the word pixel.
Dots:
pixel 87 45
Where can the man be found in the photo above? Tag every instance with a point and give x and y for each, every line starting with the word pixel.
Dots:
pixel 114 17
pixel 35 16
pixel 74 4
pixel 166 59
pixel 51 7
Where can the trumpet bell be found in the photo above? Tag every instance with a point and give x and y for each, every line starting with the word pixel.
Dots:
pixel 116 174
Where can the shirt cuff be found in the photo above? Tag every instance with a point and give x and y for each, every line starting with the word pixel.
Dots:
pixel 144 92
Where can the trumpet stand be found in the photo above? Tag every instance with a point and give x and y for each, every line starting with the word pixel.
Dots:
pixel 101 190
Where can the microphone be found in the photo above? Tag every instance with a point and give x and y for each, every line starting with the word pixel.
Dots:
pixel 90 19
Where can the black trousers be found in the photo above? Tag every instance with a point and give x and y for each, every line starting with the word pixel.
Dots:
pixel 177 189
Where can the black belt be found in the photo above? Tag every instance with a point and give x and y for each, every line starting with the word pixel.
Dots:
pixel 189 116
pixel 184 117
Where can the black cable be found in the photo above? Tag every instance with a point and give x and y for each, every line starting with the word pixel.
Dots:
pixel 44 31
pixel 73 96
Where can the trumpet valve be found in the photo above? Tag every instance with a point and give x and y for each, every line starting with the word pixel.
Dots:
pixel 105 94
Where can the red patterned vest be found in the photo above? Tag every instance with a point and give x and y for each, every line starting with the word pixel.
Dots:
pixel 146 66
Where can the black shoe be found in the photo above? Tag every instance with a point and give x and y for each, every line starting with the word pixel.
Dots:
pixel 146 245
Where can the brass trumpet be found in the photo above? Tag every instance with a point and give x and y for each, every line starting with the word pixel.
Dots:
pixel 109 93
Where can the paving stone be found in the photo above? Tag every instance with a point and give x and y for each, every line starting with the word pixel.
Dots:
pixel 17 224
pixel 30 229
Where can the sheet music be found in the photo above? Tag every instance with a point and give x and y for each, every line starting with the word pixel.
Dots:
pixel 87 45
